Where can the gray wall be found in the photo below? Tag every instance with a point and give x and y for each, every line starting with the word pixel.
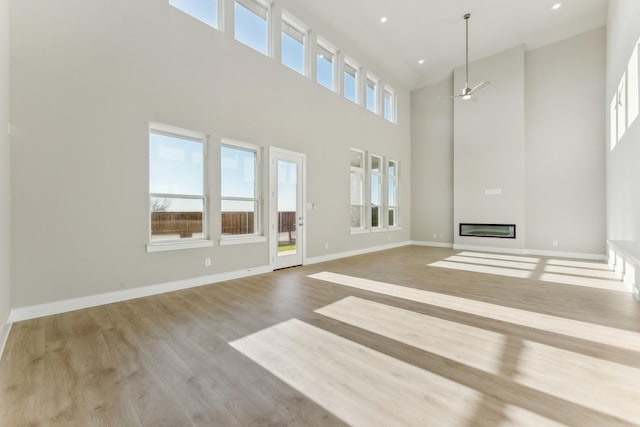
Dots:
pixel 565 167
pixel 432 157
pixel 560 171
pixel 623 173
pixel 5 210
pixel 489 149
pixel 87 77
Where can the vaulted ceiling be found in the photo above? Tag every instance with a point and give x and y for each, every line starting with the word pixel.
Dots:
pixel 433 30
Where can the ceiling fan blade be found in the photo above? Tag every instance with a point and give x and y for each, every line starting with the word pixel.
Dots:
pixel 480 86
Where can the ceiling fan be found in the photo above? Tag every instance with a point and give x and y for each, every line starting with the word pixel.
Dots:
pixel 468 92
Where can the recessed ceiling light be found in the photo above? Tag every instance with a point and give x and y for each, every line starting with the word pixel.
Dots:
pixel 384 19
pixel 421 61
pixel 556 6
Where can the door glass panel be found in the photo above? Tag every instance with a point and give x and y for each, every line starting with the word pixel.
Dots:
pixel 287 202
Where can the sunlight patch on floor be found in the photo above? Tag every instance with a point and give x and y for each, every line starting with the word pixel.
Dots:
pixel 493 262
pixel 516 258
pixel 580 264
pixel 359 385
pixel 587 282
pixel 364 387
pixel 574 273
pixel 587 381
pixel 573 328
pixel 487 269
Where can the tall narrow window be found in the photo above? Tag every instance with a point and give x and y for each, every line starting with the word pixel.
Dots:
pixel 177 201
pixel 357 190
pixel 622 107
pixel 207 11
pixel 325 63
pixel 371 93
pixel 252 24
pixel 392 193
pixel 351 80
pixel 633 88
pixel 389 104
pixel 294 42
pixel 613 122
pixel 240 189
pixel 376 179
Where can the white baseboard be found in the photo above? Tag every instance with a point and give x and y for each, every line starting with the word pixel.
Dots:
pixel 557 254
pixel 331 257
pixel 5 328
pixel 63 306
pixel 433 244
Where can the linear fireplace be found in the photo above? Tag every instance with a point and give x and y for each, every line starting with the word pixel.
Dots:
pixel 502 231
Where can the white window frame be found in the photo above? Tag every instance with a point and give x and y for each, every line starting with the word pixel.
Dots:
pixel 381 206
pixel 363 189
pixel 396 184
pixel 350 63
pixel 257 235
pixel 170 245
pixel 370 78
pixel 328 47
pixel 218 23
pixel 248 5
pixel 388 90
pixel 296 25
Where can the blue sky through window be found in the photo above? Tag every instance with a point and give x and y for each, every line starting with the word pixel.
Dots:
pixel 292 53
pixel 287 186
pixel 176 166
pixel 387 107
pixel 350 86
pixel 251 29
pixel 371 97
pixel 203 10
pixel 325 72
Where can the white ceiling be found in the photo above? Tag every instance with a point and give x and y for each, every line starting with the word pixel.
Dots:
pixel 433 30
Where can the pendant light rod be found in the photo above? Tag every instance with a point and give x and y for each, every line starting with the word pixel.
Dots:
pixel 466 20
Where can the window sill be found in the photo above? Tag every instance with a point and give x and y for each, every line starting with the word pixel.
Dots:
pixel 378 230
pixel 359 230
pixel 395 228
pixel 176 246
pixel 228 241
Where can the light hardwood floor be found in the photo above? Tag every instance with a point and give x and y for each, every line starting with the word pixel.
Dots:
pixel 410 336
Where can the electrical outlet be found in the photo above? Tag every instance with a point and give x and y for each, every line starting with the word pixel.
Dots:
pixel 207 262
pixel 326 245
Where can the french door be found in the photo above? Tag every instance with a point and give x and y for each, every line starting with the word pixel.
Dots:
pixel 286 218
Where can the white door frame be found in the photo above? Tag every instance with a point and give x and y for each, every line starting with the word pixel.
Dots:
pixel 273 205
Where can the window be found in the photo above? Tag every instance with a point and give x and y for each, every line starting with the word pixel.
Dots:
pixel 252 24
pixel 350 84
pixel 376 179
pixel 240 189
pixel 177 201
pixel 357 190
pixel 612 122
pixel 371 94
pixel 206 11
pixel 633 88
pixel 325 64
pixel 392 193
pixel 621 107
pixel 389 104
pixel 294 39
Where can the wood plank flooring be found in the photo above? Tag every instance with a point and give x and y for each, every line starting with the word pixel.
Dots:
pixel 410 336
